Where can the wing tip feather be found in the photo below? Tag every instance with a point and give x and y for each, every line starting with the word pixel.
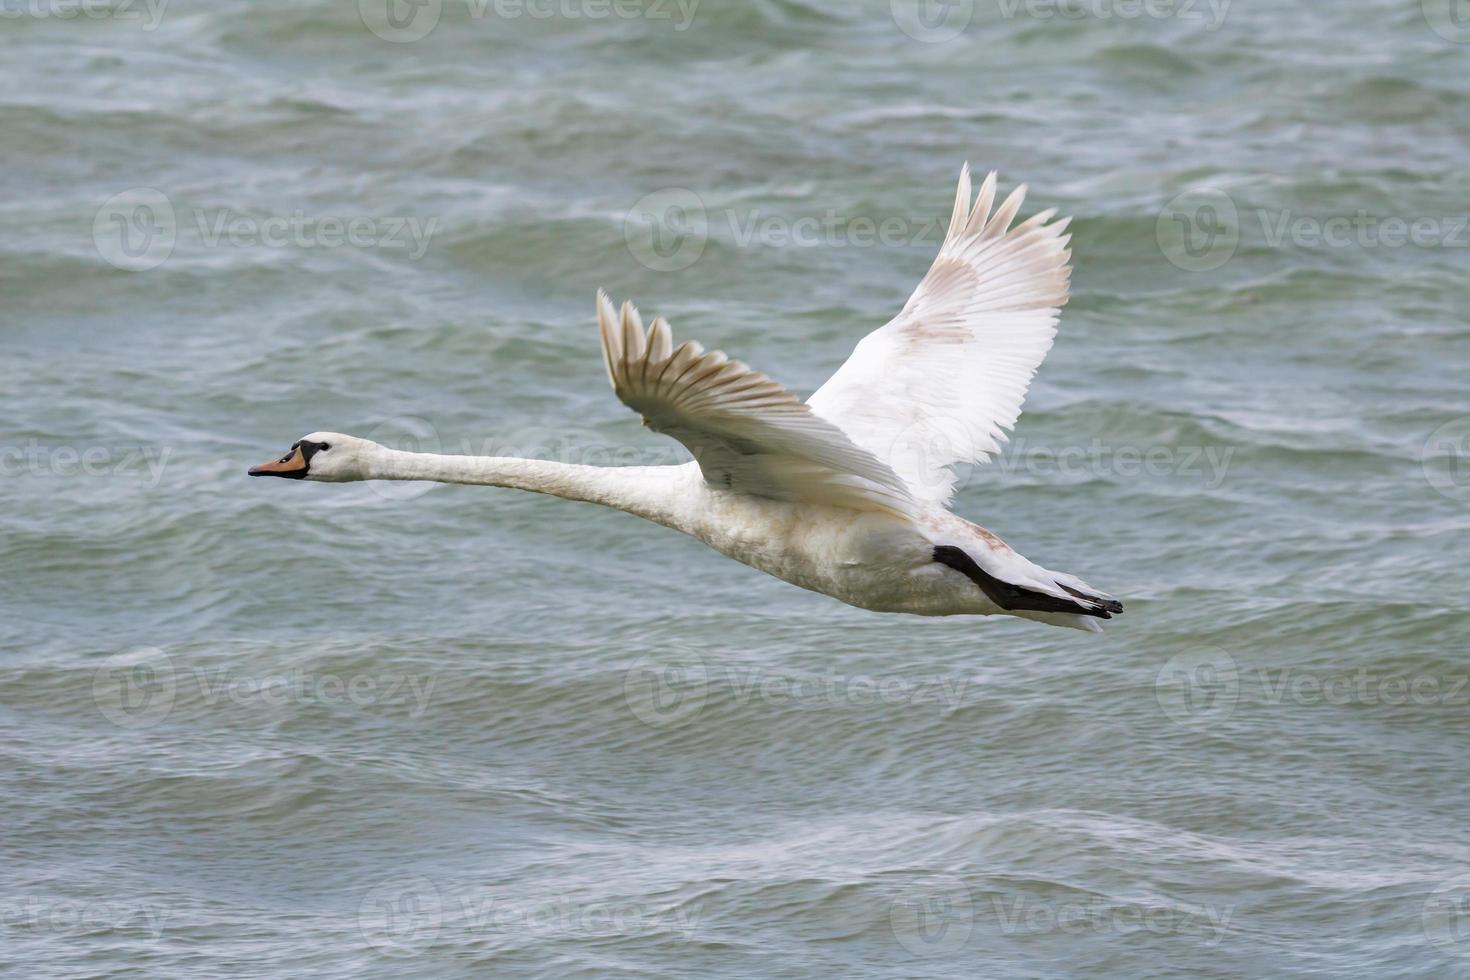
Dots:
pixel 607 329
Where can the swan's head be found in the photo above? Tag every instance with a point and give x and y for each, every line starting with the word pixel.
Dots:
pixel 329 457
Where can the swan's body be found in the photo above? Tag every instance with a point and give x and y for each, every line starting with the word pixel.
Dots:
pixel 846 494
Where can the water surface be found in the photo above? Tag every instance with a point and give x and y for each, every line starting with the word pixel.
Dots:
pixel 253 728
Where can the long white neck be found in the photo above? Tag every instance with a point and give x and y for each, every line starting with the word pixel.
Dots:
pixel 650 492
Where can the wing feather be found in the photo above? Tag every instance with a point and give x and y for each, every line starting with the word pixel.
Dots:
pixel 747 432
pixel 940 383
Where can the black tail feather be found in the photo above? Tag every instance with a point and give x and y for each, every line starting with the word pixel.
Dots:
pixel 1111 605
pixel 1011 597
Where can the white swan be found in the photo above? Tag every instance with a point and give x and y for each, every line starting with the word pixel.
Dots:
pixel 846 494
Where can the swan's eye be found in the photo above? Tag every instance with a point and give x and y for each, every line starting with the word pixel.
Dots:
pixel 324 447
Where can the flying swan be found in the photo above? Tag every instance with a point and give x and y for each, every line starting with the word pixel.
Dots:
pixel 848 493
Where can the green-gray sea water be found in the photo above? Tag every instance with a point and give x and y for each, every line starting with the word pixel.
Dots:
pixel 267 728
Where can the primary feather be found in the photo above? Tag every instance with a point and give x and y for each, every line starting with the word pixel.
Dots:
pixel 940 383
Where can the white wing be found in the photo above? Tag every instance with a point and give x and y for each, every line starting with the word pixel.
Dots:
pixel 939 383
pixel 747 432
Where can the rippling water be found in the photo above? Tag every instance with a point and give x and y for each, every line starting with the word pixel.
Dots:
pixel 259 728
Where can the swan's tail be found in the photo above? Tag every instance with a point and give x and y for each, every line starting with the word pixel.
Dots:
pixel 1028 590
pixel 1099 604
pixel 1092 604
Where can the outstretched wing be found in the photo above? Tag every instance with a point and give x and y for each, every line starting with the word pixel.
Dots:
pixel 939 383
pixel 748 433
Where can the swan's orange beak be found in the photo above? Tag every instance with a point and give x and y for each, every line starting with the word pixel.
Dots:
pixel 292 465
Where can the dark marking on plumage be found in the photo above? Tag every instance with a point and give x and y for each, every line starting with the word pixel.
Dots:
pixel 1010 597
